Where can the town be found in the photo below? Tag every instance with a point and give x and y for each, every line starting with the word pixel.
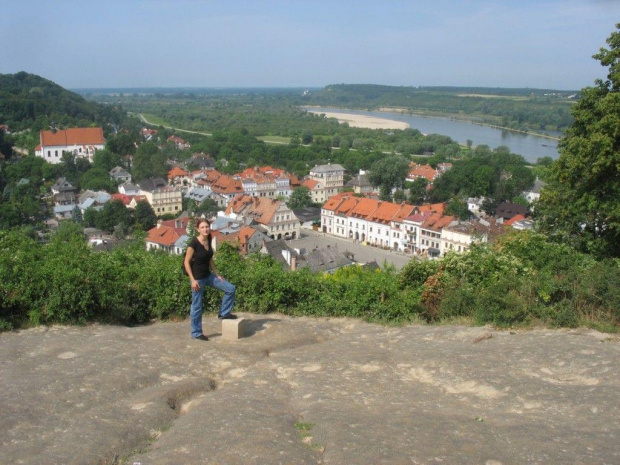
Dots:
pixel 252 205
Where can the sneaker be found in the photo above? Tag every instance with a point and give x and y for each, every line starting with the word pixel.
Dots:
pixel 202 337
pixel 230 316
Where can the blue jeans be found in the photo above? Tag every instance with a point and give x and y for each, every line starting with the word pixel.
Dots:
pixel 195 312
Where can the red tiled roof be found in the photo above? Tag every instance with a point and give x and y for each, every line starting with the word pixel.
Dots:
pixel 514 219
pixel 309 183
pixel 435 207
pixel 404 211
pixel 424 171
pixel 261 209
pixel 384 212
pixel 226 185
pixel 437 221
pixel 73 136
pixel 364 208
pixel 175 172
pixel 165 235
pixel 126 199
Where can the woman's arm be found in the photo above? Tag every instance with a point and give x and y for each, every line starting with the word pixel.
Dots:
pixel 188 267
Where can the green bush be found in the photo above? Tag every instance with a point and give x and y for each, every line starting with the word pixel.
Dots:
pixel 521 279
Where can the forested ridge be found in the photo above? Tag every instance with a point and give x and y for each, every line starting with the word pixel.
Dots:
pixel 28 101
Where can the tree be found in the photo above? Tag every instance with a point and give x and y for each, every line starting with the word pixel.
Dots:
pixel 144 215
pixel 122 145
pixel 97 179
pixel 106 159
pixel 149 162
pixel 113 214
pixel 389 172
pixel 581 202
pixel 300 198
pixel 417 191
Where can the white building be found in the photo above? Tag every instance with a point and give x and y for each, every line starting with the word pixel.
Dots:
pixel 81 142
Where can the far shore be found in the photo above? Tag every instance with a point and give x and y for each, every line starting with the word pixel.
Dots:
pixel 363 121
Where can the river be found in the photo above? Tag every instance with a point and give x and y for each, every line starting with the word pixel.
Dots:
pixel 529 146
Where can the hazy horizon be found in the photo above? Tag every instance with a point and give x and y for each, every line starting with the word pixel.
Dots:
pixel 538 44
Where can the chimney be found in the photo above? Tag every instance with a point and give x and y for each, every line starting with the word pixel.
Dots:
pixel 293 263
pixel 245 244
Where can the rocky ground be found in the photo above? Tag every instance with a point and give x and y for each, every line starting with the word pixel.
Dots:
pixel 308 391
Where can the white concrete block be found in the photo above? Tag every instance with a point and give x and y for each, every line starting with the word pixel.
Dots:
pixel 233 329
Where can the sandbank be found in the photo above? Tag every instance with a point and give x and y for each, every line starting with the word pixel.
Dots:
pixel 363 121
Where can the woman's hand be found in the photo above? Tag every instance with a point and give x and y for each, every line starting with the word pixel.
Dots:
pixel 195 285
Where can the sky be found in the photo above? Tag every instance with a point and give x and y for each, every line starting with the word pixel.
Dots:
pixel 545 44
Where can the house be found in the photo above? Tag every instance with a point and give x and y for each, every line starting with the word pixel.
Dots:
pixel 281 253
pixel 64 212
pixel 474 205
pixel 429 241
pixel 126 199
pixel 507 210
pixel 133 203
pixel 120 175
pixel 200 194
pixel 202 161
pixel 329 180
pixel 308 216
pixel 148 134
pixel 90 199
pixel 265 182
pixel 323 260
pixel 63 192
pixel 164 237
pixel 443 167
pixel 360 184
pixel 273 216
pixel 178 177
pixel 80 142
pixel 179 143
pixel 411 229
pixel 129 189
pixel 164 199
pixel 534 193
pixel 421 171
pixel 227 187
pixel 62 185
pixel 248 239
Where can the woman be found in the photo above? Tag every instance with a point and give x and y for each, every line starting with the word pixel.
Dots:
pixel 201 269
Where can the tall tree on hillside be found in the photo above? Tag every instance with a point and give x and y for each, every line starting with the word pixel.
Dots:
pixel 581 203
pixel 149 162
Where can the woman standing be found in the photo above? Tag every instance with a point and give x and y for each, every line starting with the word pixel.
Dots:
pixel 201 269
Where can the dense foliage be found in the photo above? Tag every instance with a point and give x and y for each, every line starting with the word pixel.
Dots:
pixel 522 280
pixel 28 101
pixel 496 174
pixel 581 204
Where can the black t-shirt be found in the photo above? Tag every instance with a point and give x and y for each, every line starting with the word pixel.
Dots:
pixel 201 259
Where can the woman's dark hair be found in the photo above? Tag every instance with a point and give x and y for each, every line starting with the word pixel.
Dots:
pixel 204 220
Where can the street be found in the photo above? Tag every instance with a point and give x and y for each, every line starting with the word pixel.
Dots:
pixel 362 253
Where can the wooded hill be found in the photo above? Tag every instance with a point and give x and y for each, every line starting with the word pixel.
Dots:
pixel 30 101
